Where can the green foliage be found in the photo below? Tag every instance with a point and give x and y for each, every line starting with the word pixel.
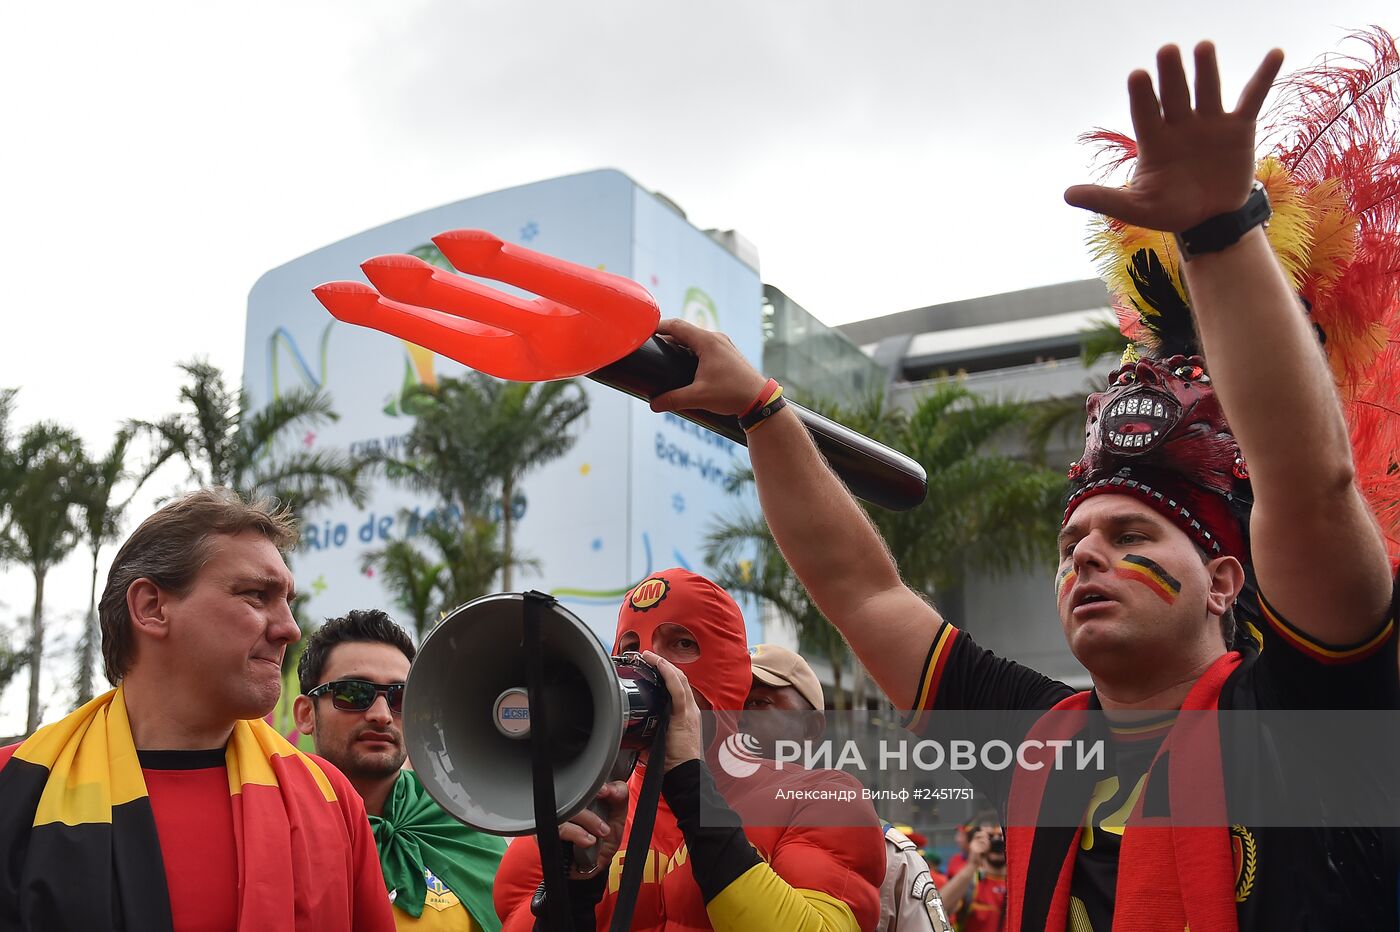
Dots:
pixel 747 561
pixel 9 469
pixel 102 515
pixel 985 510
pixel 1060 420
pixel 46 488
pixel 1100 340
pixel 412 578
pixel 473 441
pixel 11 660
pixel 257 453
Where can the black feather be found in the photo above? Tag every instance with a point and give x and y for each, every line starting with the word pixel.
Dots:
pixel 1171 324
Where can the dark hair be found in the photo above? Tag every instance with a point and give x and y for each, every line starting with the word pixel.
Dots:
pixel 361 625
pixel 169 549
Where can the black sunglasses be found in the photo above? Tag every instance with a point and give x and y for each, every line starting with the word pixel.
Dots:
pixel 359 695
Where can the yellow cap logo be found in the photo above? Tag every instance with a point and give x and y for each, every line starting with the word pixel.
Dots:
pixel 648 594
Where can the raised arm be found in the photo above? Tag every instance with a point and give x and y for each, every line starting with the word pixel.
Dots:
pixel 824 535
pixel 1318 553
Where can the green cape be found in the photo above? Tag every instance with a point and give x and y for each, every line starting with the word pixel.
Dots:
pixel 415 833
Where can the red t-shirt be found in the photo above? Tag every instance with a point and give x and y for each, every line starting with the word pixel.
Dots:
pixel 984 908
pixel 193 812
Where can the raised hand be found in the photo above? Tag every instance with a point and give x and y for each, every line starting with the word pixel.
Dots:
pixel 1193 162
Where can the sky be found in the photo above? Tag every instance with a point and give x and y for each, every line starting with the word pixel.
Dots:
pixel 157 157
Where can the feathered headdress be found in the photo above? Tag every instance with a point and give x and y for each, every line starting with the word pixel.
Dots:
pixel 1332 174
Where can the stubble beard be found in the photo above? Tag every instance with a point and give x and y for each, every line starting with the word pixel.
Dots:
pixel 374 765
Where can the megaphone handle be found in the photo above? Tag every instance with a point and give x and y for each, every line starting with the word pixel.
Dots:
pixel 585 860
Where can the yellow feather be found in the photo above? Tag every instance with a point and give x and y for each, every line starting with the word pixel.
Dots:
pixel 1297 219
pixel 1334 237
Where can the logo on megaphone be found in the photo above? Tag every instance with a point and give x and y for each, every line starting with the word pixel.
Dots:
pixel 739 755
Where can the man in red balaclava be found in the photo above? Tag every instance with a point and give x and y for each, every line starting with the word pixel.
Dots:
pixel 799 872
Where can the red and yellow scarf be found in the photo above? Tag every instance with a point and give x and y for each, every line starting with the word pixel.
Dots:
pixel 78 840
pixel 1156 853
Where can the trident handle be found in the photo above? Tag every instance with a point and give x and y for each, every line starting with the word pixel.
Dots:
pixel 871 470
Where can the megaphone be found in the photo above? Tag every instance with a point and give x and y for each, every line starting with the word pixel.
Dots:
pixel 466 715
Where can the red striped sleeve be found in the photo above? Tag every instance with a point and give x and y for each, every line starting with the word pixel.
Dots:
pixel 1325 653
pixel 932 675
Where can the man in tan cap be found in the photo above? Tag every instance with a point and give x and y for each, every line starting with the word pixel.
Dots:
pixel 785 704
pixel 788 694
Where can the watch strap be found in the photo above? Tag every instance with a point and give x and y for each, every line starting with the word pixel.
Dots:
pixel 1224 230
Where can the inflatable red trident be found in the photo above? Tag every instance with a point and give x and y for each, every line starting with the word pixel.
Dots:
pixel 584 322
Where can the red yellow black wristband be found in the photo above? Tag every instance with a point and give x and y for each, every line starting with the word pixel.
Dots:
pixel 768 403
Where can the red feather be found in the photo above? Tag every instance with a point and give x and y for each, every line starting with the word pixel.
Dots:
pixel 1339 120
pixel 1335 128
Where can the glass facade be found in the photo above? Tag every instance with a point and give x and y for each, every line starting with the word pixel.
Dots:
pixel 813 361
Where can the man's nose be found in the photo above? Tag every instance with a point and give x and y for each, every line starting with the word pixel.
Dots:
pixel 284 628
pixel 1091 551
pixel 378 710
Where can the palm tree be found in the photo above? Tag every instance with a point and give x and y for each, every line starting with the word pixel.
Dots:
pixel 11 661
pixel 223 443
pixel 102 515
pixel 1059 420
pixel 412 579
pixel 475 439
pixel 747 561
pixel 463 561
pixel 9 473
pixel 531 428
pixel 984 510
pixel 47 493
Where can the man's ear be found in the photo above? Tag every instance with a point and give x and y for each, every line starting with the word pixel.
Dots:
pixel 1224 585
pixel 305 715
pixel 147 604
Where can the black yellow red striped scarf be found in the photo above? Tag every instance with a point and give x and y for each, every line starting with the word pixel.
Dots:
pixel 1170 876
pixel 78 842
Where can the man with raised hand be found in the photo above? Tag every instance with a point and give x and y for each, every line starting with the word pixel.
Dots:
pixel 1157 544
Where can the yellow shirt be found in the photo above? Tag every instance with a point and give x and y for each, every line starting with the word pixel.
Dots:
pixel 442 911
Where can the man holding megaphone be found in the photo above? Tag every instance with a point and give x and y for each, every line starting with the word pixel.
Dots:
pixel 715 871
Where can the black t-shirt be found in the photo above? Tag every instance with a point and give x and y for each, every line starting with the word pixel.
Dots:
pixel 1286 878
pixel 1096 865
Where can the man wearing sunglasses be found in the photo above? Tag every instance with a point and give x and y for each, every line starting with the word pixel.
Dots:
pixel 438 871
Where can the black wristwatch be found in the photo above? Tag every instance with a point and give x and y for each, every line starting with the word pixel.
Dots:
pixel 1225 230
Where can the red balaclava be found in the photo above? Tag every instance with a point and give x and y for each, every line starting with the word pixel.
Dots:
pixel 722 673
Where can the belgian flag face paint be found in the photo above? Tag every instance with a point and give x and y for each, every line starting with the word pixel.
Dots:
pixel 1064 582
pixel 1137 568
